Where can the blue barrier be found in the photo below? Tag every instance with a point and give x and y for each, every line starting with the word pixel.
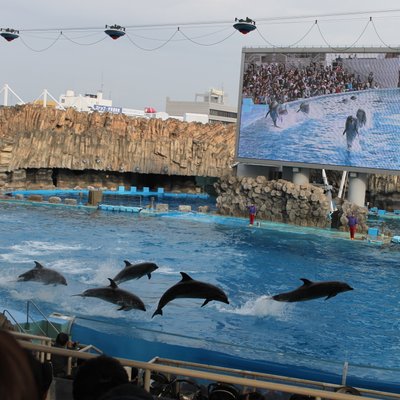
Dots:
pixel 373 231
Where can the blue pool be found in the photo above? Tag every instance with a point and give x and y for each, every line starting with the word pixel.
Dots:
pixel 309 339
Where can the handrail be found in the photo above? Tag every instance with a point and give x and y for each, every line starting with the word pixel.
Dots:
pixel 211 376
pixel 90 347
pixel 30 336
pixel 255 375
pixel 40 312
pixel 245 373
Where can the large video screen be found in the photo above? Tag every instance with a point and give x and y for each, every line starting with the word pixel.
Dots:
pixel 326 109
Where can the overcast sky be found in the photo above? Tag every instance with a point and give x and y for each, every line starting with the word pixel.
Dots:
pixel 205 53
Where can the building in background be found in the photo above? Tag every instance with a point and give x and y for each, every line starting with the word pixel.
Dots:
pixel 87 102
pixel 211 103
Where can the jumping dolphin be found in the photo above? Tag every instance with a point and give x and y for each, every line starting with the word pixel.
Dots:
pixel 190 288
pixel 351 130
pixel 113 294
pixel 313 290
pixel 361 118
pixel 135 271
pixel 273 111
pixel 41 274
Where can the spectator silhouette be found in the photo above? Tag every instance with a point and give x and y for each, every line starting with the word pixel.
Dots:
pixel 60 363
pixel 97 376
pixel 17 381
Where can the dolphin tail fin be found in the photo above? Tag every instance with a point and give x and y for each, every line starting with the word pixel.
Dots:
pixel 157 312
pixel 206 301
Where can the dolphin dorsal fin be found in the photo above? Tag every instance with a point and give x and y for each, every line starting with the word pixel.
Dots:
pixel 112 283
pixel 185 277
pixel 306 281
pixel 127 263
pixel 38 265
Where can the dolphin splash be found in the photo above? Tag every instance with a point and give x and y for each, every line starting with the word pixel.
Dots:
pixel 41 274
pixel 135 271
pixel 113 294
pixel 190 288
pixel 313 290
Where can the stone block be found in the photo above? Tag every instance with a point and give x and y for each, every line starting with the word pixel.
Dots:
pixel 161 207
pixel 54 199
pixel 35 197
pixel 71 202
pixel 185 208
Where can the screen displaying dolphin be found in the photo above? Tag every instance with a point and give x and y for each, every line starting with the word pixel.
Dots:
pixel 41 274
pixel 190 288
pixel 310 96
pixel 313 290
pixel 135 271
pixel 113 294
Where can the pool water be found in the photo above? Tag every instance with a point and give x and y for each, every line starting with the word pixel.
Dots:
pixel 249 264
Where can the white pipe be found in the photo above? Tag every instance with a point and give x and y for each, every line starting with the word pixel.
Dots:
pixel 342 182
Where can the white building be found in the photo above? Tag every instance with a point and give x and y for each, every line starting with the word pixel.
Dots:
pixel 211 103
pixel 96 102
pixel 88 102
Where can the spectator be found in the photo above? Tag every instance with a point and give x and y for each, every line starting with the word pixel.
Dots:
pixel 60 363
pixel 97 376
pixel 17 380
pixel 42 374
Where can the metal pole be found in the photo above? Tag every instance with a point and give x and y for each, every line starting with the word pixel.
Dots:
pixel 344 374
pixel 5 95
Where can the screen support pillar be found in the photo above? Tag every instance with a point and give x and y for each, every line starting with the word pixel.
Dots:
pixel 357 188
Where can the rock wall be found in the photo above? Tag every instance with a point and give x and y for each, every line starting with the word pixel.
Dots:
pixel 283 201
pixel 279 201
pixel 33 137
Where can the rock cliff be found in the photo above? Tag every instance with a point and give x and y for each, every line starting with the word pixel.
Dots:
pixel 33 137
pixel 107 150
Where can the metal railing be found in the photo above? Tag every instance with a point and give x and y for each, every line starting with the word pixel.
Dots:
pixel 31 304
pixel 244 379
pixel 16 323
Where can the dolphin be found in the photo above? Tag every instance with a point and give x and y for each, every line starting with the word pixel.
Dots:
pixel 304 107
pixel 313 290
pixel 351 130
pixel 135 271
pixel 190 288
pixel 361 118
pixel 41 274
pixel 273 112
pixel 113 294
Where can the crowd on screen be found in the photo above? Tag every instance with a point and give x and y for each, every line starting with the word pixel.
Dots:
pixel 283 83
